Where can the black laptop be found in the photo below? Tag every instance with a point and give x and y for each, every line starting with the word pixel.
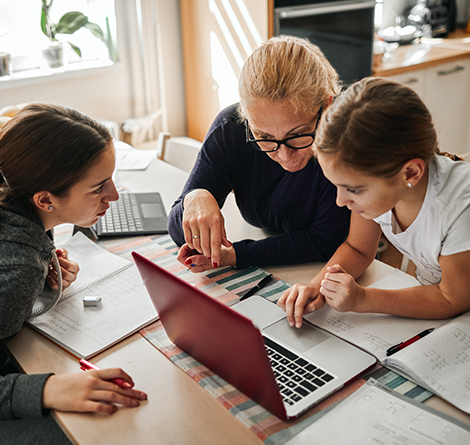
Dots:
pixel 134 214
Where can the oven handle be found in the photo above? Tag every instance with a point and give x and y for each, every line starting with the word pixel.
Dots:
pixel 293 12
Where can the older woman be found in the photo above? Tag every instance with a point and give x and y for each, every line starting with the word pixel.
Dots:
pixel 261 149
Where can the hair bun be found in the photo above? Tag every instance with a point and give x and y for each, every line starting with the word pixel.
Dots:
pixel 452 156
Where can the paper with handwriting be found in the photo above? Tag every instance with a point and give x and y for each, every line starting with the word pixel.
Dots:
pixel 125 306
pixel 374 332
pixel 375 415
pixel 440 362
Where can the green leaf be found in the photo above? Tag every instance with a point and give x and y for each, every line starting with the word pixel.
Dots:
pixel 95 30
pixel 112 50
pixel 46 27
pixel 71 22
pixel 76 49
pixel 43 22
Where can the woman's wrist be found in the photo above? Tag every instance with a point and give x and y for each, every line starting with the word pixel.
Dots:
pixel 229 257
pixel 191 194
pixel 361 304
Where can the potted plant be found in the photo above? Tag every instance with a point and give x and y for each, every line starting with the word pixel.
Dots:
pixel 5 62
pixel 68 24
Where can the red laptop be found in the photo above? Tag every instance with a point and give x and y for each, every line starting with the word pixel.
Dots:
pixel 251 345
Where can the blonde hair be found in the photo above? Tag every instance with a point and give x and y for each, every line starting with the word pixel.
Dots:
pixel 376 126
pixel 288 68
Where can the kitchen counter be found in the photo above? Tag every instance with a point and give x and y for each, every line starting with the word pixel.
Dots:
pixel 419 56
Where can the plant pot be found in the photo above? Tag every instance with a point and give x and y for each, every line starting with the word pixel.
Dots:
pixel 53 55
pixel 5 64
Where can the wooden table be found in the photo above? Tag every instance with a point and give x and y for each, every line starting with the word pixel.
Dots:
pixel 178 410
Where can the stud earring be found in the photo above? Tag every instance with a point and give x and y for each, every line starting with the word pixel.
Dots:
pixel 409 185
pixel 50 207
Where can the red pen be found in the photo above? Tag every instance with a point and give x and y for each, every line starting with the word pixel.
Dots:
pixel 406 343
pixel 86 366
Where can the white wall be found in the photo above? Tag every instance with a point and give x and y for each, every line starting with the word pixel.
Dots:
pixel 117 93
pixel 393 8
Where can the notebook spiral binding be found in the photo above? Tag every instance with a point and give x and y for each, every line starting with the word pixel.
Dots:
pixel 97 282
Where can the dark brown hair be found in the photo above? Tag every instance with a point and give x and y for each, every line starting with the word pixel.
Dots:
pixel 376 126
pixel 48 148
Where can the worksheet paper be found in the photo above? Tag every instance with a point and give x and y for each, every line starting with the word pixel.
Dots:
pixel 374 415
pixel 440 363
pixel 374 332
pixel 125 306
pixel 130 158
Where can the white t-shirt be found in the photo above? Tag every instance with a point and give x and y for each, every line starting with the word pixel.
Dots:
pixel 442 226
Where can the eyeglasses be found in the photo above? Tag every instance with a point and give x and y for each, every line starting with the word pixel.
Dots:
pixel 295 142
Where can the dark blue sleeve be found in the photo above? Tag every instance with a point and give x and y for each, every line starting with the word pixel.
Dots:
pixel 212 171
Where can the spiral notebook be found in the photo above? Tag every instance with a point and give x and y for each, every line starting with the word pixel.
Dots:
pixel 124 308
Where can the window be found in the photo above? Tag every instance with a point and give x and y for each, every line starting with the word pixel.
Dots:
pixel 22 37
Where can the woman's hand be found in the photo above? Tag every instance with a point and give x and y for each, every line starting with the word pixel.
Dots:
pixel 301 299
pixel 90 391
pixel 341 290
pixel 68 268
pixel 204 225
pixel 199 263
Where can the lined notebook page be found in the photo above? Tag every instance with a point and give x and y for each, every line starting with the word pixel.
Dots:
pixel 94 261
pixel 124 309
pixel 442 361
pixel 374 332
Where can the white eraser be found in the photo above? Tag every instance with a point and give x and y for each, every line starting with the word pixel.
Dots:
pixel 91 300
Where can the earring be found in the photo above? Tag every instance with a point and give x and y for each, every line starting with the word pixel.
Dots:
pixel 409 185
pixel 50 207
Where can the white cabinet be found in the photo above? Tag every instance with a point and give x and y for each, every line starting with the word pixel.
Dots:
pixel 412 79
pixel 446 93
pixel 445 89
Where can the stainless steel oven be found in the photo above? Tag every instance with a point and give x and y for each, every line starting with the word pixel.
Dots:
pixel 344 31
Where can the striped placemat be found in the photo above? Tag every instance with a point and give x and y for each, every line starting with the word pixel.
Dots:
pixel 226 285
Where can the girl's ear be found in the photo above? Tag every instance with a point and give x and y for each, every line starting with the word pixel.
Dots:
pixel 413 171
pixel 43 201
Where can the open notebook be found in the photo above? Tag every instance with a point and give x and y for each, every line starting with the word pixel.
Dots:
pixel 125 306
pixel 439 362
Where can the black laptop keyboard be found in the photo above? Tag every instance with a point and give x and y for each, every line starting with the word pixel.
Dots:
pixel 295 376
pixel 123 216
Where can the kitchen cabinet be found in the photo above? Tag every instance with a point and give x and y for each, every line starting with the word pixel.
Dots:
pixel 412 79
pixel 440 74
pixel 446 95
pixel 445 90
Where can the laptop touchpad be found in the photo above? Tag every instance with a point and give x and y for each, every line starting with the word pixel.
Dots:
pixel 302 339
pixel 151 210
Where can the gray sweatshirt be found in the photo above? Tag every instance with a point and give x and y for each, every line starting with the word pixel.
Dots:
pixel 25 254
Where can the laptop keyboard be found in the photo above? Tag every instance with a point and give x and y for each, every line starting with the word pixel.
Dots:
pixel 296 377
pixel 123 216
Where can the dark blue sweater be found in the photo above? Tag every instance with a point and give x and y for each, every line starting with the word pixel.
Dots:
pixel 300 205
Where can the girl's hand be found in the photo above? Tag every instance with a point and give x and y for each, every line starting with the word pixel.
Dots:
pixel 341 290
pixel 199 263
pixel 204 225
pixel 68 268
pixel 90 391
pixel 300 299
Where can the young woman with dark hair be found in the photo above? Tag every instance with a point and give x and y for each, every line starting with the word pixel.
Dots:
pixel 56 166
